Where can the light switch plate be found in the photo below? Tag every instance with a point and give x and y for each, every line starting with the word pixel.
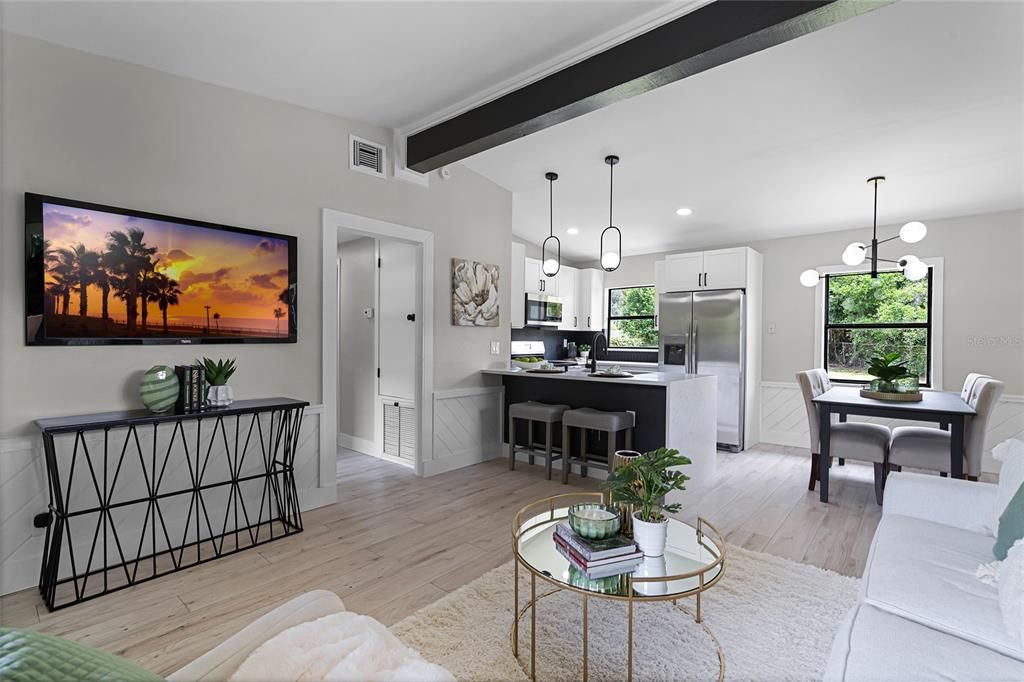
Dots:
pixel 771 328
pixel 368 313
pixel 495 347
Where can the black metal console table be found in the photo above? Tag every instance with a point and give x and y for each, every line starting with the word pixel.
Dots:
pixel 124 495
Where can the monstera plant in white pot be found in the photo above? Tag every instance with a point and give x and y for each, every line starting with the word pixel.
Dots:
pixel 644 482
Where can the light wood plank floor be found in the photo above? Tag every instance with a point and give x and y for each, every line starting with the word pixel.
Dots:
pixel 394 543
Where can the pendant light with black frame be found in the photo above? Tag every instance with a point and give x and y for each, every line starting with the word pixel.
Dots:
pixel 856 253
pixel 611 258
pixel 551 266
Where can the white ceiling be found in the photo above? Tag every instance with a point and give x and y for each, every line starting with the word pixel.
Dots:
pixel 387 63
pixel 781 142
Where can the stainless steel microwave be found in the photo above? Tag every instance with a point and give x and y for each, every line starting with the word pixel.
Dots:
pixel 543 310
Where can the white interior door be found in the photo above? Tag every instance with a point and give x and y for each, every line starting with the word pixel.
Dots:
pixel 398 325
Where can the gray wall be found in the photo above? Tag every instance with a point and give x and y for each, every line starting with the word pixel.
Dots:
pixel 983 290
pixel 87 127
pixel 357 374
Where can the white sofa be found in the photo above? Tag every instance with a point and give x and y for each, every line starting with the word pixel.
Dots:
pixel 222 662
pixel 922 613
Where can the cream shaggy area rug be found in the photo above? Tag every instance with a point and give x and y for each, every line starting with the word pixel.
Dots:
pixel 774 620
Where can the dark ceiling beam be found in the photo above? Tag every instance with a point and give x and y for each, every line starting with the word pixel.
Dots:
pixel 710 36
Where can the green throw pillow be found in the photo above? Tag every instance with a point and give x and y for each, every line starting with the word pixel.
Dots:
pixel 29 656
pixel 1011 525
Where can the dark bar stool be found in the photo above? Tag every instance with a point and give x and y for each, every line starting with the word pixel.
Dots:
pixel 593 420
pixel 531 411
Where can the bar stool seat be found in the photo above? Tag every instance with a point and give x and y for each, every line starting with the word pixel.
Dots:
pixel 538 412
pixel 532 411
pixel 589 419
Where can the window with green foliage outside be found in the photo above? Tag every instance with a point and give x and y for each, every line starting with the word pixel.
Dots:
pixel 631 318
pixel 867 316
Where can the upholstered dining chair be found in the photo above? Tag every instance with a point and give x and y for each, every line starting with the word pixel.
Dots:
pixel 965 392
pixel 925 447
pixel 850 440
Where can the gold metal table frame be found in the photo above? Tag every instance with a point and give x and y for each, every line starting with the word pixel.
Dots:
pixel 546 511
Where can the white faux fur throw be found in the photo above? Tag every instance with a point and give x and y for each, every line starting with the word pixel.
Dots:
pixel 339 647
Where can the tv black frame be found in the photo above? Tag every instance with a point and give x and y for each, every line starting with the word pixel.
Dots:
pixel 35 276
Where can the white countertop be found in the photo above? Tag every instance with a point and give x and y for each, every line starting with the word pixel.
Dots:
pixel 582 374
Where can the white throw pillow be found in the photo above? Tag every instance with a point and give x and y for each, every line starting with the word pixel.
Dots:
pixel 1011 591
pixel 1011 475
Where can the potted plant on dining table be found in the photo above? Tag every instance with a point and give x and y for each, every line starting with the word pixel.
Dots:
pixel 893 380
pixel 643 482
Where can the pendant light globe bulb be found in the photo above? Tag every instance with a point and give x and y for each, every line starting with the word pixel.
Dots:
pixel 809 278
pixel 855 253
pixel 913 232
pixel 915 270
pixel 550 267
pixel 610 260
pixel 904 261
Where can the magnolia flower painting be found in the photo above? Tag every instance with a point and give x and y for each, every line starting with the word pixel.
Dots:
pixel 474 293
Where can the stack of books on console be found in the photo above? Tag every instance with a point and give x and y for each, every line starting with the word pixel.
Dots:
pixel 597 558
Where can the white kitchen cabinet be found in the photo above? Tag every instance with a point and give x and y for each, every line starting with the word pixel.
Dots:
pixel 590 300
pixel 567 291
pixel 517 285
pixel 684 271
pixel 536 282
pixel 725 269
pixel 720 269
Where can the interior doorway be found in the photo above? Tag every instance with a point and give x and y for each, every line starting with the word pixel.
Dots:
pixel 378 329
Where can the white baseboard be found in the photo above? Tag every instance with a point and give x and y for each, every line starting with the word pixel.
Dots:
pixel 363 445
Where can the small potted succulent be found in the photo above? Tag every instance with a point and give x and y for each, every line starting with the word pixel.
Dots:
pixel 891 374
pixel 584 349
pixel 644 482
pixel 217 374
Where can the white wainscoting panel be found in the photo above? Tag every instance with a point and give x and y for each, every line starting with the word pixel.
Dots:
pixel 23 488
pixel 467 428
pixel 784 419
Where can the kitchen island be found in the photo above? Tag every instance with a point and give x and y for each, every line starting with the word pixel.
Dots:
pixel 673 410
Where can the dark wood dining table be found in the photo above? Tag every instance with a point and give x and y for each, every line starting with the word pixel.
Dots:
pixel 945 408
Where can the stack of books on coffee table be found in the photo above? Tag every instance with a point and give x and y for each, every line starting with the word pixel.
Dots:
pixel 597 558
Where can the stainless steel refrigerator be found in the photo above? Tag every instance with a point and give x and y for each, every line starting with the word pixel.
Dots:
pixel 702 332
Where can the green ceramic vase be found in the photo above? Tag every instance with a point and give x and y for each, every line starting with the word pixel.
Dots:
pixel 159 388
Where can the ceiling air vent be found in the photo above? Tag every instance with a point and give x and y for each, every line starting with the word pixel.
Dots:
pixel 367 157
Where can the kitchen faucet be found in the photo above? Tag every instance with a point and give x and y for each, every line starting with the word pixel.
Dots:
pixel 594 345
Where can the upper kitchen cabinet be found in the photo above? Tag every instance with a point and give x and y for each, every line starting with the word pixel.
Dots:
pixel 590 300
pixel 537 282
pixel 683 271
pixel 567 279
pixel 720 269
pixel 517 286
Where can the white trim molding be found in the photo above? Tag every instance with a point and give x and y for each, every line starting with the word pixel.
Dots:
pixel 334 220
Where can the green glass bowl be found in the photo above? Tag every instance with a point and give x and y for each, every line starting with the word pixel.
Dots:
pixel 594 521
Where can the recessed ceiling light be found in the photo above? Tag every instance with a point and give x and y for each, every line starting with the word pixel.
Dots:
pixel 573 230
pixel 683 211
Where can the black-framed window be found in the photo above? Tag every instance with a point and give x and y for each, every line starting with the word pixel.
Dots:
pixel 631 313
pixel 866 316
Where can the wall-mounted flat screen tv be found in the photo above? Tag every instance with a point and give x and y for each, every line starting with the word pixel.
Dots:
pixel 104 275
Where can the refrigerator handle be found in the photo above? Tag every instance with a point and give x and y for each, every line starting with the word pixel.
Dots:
pixel 696 356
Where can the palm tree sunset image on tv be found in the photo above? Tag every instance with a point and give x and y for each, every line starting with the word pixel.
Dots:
pixel 113 275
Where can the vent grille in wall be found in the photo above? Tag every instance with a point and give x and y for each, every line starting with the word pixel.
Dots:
pixel 399 430
pixel 367 157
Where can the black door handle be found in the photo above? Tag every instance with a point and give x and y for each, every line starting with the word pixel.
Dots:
pixel 411 317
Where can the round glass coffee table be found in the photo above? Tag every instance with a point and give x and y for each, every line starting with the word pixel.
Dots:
pixel 694 561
